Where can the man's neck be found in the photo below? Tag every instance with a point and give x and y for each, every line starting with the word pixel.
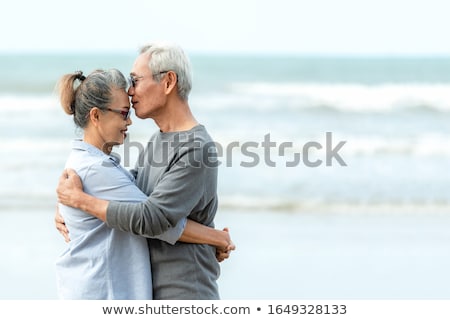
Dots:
pixel 176 118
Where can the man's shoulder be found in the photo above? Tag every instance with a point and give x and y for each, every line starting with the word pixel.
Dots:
pixel 156 135
pixel 199 134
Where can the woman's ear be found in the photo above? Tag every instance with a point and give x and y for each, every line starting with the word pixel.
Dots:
pixel 94 115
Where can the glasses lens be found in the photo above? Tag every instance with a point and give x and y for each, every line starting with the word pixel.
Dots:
pixel 125 114
pixel 131 82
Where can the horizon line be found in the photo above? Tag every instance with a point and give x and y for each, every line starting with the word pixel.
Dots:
pixel 231 53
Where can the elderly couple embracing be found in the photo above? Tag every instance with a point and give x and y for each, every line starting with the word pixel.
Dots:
pixel 147 233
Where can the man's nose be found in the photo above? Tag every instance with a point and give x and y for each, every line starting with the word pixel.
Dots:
pixel 130 91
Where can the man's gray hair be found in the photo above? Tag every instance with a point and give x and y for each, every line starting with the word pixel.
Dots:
pixel 170 57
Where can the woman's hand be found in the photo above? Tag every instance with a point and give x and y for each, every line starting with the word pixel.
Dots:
pixel 223 253
pixel 61 225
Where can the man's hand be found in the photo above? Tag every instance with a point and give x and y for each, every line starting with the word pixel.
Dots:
pixel 69 187
pixel 223 253
pixel 61 225
pixel 70 193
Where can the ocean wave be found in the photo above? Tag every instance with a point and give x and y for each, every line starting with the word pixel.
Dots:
pixel 339 97
pixel 258 204
pixel 45 199
pixel 234 151
pixel 24 102
pixel 423 144
pixel 296 97
pixel 26 127
pixel 427 144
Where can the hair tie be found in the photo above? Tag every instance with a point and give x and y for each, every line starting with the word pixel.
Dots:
pixel 79 75
pixel 72 107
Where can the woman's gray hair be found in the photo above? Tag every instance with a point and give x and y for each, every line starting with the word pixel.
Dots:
pixel 170 57
pixel 95 90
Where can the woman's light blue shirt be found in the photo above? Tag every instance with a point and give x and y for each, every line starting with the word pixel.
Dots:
pixel 100 262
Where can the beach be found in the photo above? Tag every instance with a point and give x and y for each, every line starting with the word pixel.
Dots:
pixel 283 256
pixel 333 174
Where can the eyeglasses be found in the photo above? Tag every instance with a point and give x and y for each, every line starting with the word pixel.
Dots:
pixel 125 113
pixel 132 79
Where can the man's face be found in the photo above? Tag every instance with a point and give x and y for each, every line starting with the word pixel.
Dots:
pixel 147 95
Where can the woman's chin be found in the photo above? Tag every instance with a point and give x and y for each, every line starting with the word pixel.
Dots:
pixel 120 139
pixel 107 147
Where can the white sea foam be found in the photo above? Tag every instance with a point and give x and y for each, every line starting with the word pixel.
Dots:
pixel 351 97
pixel 396 158
pixel 342 97
pixel 24 102
pixel 422 145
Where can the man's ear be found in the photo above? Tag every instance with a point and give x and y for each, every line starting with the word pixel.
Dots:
pixel 170 81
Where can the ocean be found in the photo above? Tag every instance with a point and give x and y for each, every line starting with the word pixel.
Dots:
pixel 333 173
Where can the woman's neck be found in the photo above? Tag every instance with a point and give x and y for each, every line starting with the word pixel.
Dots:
pixel 96 141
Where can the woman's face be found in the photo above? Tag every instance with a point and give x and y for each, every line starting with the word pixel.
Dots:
pixel 112 125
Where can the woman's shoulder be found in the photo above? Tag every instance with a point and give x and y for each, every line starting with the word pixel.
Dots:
pixel 102 175
pixel 83 156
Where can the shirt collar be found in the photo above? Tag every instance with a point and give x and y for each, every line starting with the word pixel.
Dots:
pixel 84 146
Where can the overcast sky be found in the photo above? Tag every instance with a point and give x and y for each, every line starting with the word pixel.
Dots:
pixel 369 27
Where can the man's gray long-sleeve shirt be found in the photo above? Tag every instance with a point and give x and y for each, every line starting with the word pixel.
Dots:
pixel 178 171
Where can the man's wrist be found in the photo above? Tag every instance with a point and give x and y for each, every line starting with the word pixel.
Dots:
pixel 78 200
pixel 221 241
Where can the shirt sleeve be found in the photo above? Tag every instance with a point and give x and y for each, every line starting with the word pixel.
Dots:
pixel 177 194
pixel 172 235
pixel 111 182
